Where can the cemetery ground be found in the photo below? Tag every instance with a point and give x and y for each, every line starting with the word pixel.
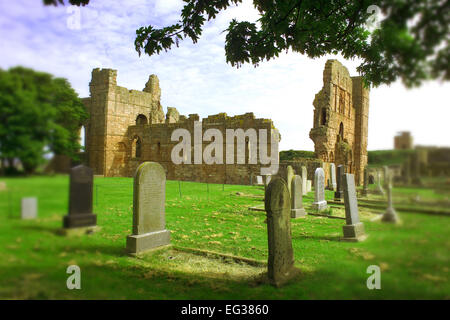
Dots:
pixel 413 257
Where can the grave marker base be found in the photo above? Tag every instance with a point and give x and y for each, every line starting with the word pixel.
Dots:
pixel 143 242
pixel 319 206
pixel 390 216
pixel 354 232
pixel 298 213
pixel 79 220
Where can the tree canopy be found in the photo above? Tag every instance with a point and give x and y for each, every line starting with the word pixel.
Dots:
pixel 38 114
pixel 412 42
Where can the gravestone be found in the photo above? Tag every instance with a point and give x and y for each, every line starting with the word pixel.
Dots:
pixel 289 176
pixel 259 181
pixel 308 186
pixel 354 229
pixel 333 176
pixel 149 197
pixel 338 195
pixel 379 189
pixel 304 179
pixel 385 176
pixel 371 179
pixel 29 208
pixel 297 209
pixel 366 182
pixel 80 199
pixel 390 215
pixel 319 190
pixel 281 255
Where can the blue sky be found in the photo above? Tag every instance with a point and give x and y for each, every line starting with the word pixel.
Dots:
pixel 195 78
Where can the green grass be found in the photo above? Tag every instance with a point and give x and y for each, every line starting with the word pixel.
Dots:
pixel 414 257
pixel 387 157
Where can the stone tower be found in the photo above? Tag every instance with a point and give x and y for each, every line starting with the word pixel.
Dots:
pixel 340 129
pixel 112 110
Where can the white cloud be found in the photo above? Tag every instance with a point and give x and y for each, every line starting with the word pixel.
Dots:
pixel 196 78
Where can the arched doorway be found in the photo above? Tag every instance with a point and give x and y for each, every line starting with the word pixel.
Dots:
pixel 141 119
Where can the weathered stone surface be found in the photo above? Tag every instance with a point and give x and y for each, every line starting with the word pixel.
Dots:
pixel 149 224
pixel 80 198
pixel 259 181
pixel 319 190
pixel 341 112
pixel 366 182
pixel 29 208
pixel 297 209
pixel 333 177
pixel 304 176
pixel 289 175
pixel 354 229
pixel 308 186
pixel 339 194
pixel 172 116
pixel 390 215
pixel 281 255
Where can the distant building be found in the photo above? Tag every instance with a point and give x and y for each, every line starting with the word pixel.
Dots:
pixel 403 140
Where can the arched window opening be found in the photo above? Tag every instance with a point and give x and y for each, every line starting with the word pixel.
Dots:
pixel 141 119
pixel 341 131
pixel 136 147
pixel 323 117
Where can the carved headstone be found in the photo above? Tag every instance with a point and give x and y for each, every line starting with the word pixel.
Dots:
pixel 281 255
pixel 319 190
pixel 338 195
pixel 308 186
pixel 289 176
pixel 390 215
pixel 297 209
pixel 333 177
pixel 149 196
pixel 354 229
pixel 304 179
pixel 80 199
pixel 29 208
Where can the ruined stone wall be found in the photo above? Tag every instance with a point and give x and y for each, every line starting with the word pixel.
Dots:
pixel 340 127
pixel 128 127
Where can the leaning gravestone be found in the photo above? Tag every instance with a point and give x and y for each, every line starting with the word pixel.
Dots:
pixel 29 208
pixel 80 199
pixel 297 209
pixel 308 186
pixel 390 215
pixel 333 176
pixel 149 196
pixel 319 190
pixel 304 179
pixel 354 229
pixel 281 255
pixel 289 176
pixel 338 195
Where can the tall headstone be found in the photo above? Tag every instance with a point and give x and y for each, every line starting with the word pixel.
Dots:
pixel 304 179
pixel 338 195
pixel 385 176
pixel 80 199
pixel 308 186
pixel 281 255
pixel 379 189
pixel 289 176
pixel 333 176
pixel 297 209
pixel 354 229
pixel 365 182
pixel 319 190
pixel 390 215
pixel 149 221
pixel 29 208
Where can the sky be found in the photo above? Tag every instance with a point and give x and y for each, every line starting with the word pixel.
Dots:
pixel 195 78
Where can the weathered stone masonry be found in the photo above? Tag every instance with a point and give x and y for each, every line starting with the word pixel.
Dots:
pixel 128 127
pixel 341 113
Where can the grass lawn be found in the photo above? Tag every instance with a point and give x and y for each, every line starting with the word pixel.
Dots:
pixel 413 257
